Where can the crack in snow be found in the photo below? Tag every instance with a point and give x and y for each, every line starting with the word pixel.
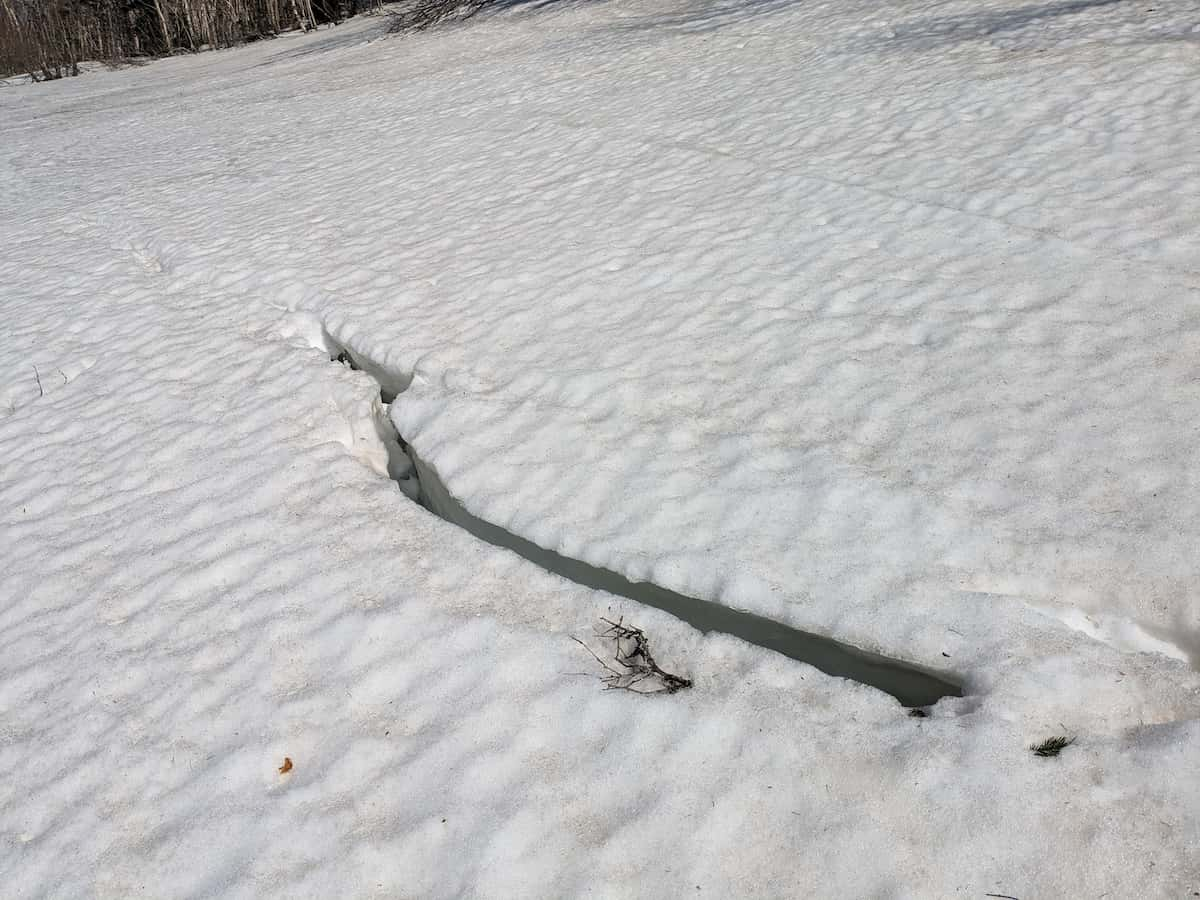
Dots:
pixel 914 686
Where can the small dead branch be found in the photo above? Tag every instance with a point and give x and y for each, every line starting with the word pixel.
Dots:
pixel 632 667
pixel 1051 746
pixel 38 376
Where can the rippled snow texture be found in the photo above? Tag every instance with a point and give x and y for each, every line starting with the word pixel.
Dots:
pixel 882 319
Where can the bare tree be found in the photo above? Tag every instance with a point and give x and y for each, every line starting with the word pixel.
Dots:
pixel 49 38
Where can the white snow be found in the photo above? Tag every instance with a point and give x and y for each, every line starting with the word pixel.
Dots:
pixel 879 319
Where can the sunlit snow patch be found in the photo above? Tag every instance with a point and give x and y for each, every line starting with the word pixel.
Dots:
pixel 1126 635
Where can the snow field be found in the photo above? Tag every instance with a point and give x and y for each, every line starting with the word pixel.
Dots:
pixel 876 319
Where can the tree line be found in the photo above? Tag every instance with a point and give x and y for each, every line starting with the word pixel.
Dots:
pixel 49 38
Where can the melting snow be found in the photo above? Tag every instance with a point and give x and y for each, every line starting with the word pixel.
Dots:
pixel 879 320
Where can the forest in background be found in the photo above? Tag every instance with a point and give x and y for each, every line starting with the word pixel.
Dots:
pixel 48 39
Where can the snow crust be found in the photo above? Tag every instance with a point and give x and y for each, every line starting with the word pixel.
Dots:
pixel 880 319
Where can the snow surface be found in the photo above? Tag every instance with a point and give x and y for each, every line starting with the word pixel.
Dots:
pixel 880 319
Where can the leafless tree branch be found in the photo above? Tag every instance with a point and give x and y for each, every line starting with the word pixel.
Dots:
pixel 633 667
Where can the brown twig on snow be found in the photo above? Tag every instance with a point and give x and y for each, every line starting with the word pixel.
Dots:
pixel 633 664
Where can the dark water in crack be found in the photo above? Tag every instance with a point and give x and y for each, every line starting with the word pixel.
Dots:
pixel 912 685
